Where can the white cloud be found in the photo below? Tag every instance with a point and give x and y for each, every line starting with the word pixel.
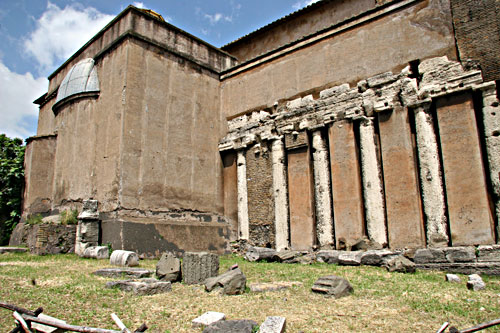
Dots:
pixel 61 32
pixel 301 4
pixel 18 115
pixel 217 17
pixel 138 4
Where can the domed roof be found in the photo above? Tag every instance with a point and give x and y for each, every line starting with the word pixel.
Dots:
pixel 81 78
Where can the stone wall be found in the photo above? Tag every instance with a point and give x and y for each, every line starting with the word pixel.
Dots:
pixel 45 238
pixel 424 184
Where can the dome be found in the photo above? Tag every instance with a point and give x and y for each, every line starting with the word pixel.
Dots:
pixel 81 78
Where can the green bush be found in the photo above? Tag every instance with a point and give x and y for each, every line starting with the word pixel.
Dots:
pixel 69 217
pixel 34 219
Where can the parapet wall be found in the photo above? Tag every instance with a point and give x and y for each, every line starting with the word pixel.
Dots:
pixel 403 159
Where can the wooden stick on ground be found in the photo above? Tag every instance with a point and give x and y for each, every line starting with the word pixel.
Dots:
pixel 120 324
pixel 21 321
pixel 72 328
pixel 141 328
pixel 481 326
pixel 21 310
pixel 443 327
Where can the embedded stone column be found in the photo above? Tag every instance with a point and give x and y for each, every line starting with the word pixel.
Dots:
pixel 430 177
pixel 87 231
pixel 491 120
pixel 322 194
pixel 372 183
pixel 242 196
pixel 280 194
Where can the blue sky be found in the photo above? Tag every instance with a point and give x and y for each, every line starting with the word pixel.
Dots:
pixel 36 36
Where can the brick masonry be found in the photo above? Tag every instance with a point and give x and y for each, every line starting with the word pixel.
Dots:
pixel 477 31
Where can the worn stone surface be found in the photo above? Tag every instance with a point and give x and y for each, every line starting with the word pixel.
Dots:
pixel 350 258
pixel 87 234
pixel 424 256
pixel 141 286
pixel 489 253
pixel 328 256
pixel 199 266
pixel 332 285
pixel 256 253
pixel 124 258
pixel 272 286
pixel 230 178
pixel 453 278
pixel 208 318
pixel 89 210
pixel 274 324
pixel 346 183
pixel 460 254
pixel 120 272
pixel 375 257
pixel 399 264
pixel 96 252
pixel 287 256
pixel 464 267
pixel 168 268
pixel 301 198
pixel 47 238
pixel 12 249
pixel 232 282
pixel 237 326
pixel 243 228
pixel 469 212
pixel 280 194
pixel 404 218
pixel 475 282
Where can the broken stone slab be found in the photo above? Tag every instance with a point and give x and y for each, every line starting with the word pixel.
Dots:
pixel 375 257
pixel 89 210
pixel 430 255
pixel 168 268
pixel 272 286
pixel 239 326
pixel 488 253
pixel 256 253
pixel 208 318
pixel 199 266
pixel 332 285
pixel 453 278
pixel 475 282
pixel 12 250
pixel 328 256
pixel 460 254
pixel 400 264
pixel 141 286
pixel 350 258
pixel 96 252
pixel 365 244
pixel 273 324
pixel 124 258
pixel 306 259
pixel 287 256
pixel 488 268
pixel 232 282
pixel 121 272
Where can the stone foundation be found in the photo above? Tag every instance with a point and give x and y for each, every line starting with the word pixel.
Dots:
pixel 45 238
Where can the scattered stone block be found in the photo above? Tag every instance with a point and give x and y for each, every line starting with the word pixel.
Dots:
pixel 287 256
pixel 488 268
pixel 87 234
pixel 208 318
pixel 488 253
pixel 328 256
pixel 141 286
pixel 453 278
pixel 199 266
pixel 460 254
pixel 375 257
pixel 350 258
pixel 168 268
pixel 256 253
pixel 120 272
pixel 224 326
pixel 364 244
pixel 274 324
pixel 399 264
pixel 430 255
pixel 332 285
pixel 96 252
pixel 233 282
pixel 124 258
pixel 89 210
pixel 475 282
pixel 272 286
pixel 12 250
pixel 306 259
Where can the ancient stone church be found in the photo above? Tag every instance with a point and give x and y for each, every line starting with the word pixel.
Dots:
pixel 345 120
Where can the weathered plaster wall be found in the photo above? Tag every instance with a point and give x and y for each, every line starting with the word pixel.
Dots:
pixel 296 26
pixel 387 43
pixel 169 157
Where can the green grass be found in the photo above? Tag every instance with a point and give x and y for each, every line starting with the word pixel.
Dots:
pixel 381 302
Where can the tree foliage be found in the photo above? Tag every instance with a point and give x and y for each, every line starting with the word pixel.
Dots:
pixel 11 184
